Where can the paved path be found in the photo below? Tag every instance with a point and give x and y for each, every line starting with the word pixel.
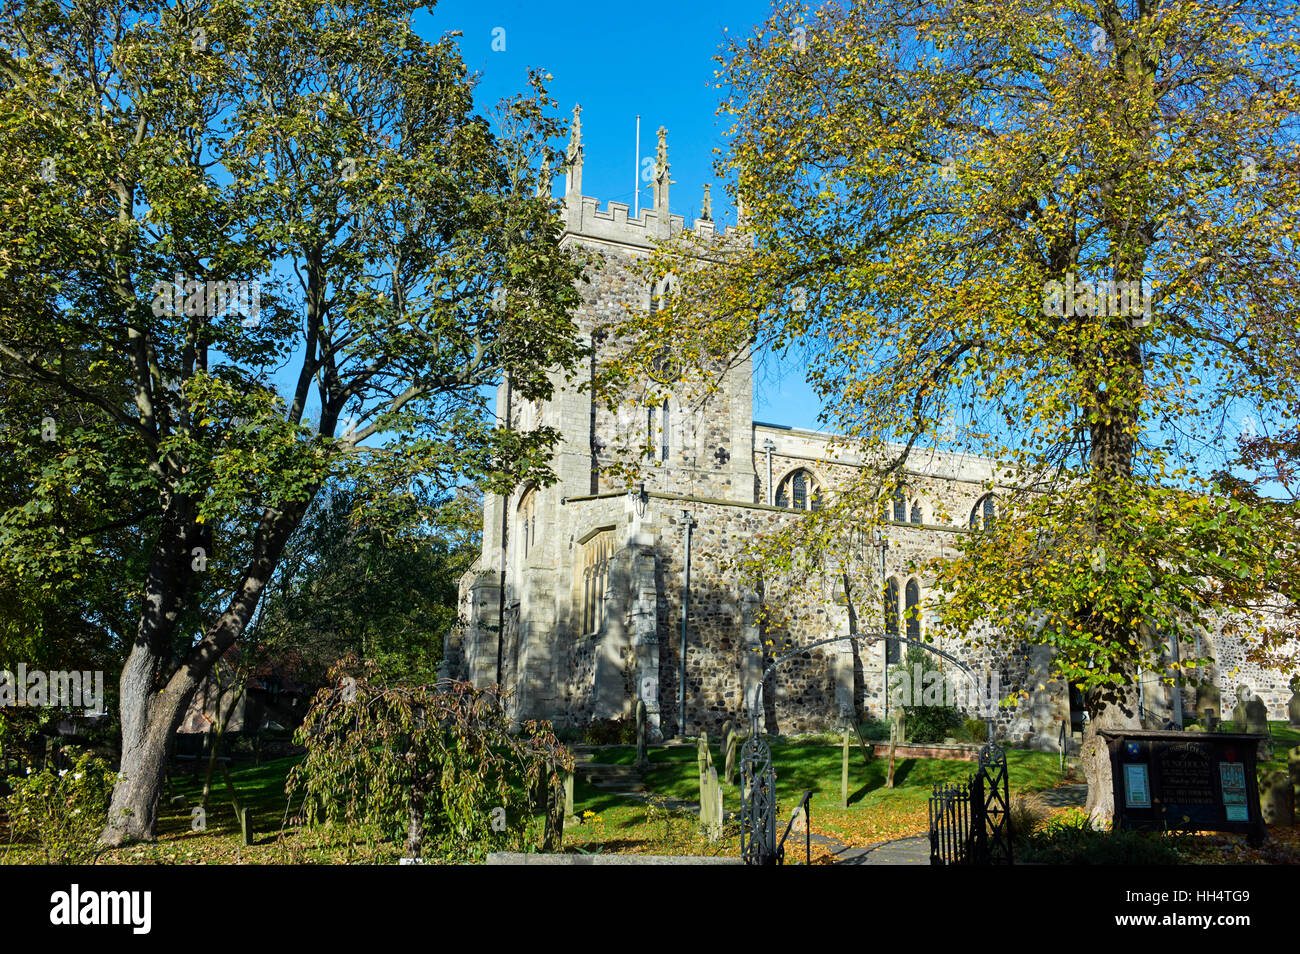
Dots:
pixel 900 851
pixel 1066 796
pixel 916 850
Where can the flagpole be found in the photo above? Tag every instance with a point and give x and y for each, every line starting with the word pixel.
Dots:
pixel 636 173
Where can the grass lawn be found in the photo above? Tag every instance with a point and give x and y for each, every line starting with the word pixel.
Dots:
pixel 641 827
pixel 1284 738
pixel 875 813
pixel 610 824
pixel 262 790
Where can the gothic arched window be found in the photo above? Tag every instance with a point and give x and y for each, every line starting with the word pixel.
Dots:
pixel 656 437
pixel 983 513
pixel 912 611
pixel 891 623
pixel 527 521
pixel 663 431
pixel 900 507
pixel 799 490
pixel 592 578
pixel 915 515
pixel 660 292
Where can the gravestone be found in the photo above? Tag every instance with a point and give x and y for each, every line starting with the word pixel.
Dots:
pixel 570 818
pixel 1293 707
pixel 729 769
pixel 1239 710
pixel 1277 799
pixel 1251 715
pixel 1256 716
pixel 246 825
pixel 641 759
pixel 1257 724
pixel 722 741
pixel 893 743
pixel 711 804
pixel 719 814
pixel 1208 697
pixel 703 755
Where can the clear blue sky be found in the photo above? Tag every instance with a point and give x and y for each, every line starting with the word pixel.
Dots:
pixel 619 60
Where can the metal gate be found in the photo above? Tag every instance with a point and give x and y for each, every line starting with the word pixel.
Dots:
pixel 968 822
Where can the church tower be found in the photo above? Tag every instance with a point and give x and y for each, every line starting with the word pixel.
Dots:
pixel 566 593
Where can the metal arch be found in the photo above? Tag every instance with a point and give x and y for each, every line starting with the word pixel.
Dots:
pixel 872 637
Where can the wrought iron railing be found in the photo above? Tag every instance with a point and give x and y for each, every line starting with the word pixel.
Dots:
pixel 969 821
pixel 950 840
pixel 758 841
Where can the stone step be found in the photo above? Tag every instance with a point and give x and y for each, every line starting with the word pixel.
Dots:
pixel 584 756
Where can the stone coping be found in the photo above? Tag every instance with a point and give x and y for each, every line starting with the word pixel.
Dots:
pixel 721 502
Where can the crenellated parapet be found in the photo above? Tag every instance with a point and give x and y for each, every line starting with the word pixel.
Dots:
pixel 584 218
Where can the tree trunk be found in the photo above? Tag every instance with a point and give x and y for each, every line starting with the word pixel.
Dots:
pixel 1095 759
pixel 219 733
pixel 153 704
pixel 149 721
pixel 414 830
pixel 415 817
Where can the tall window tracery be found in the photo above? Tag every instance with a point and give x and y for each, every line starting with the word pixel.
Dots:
pixel 591 580
pixel 527 522
pixel 891 623
pixel 799 491
pixel 907 623
pixel 657 429
pixel 912 610
pixel 984 512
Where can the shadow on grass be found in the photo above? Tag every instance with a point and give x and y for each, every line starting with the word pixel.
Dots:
pixel 260 788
